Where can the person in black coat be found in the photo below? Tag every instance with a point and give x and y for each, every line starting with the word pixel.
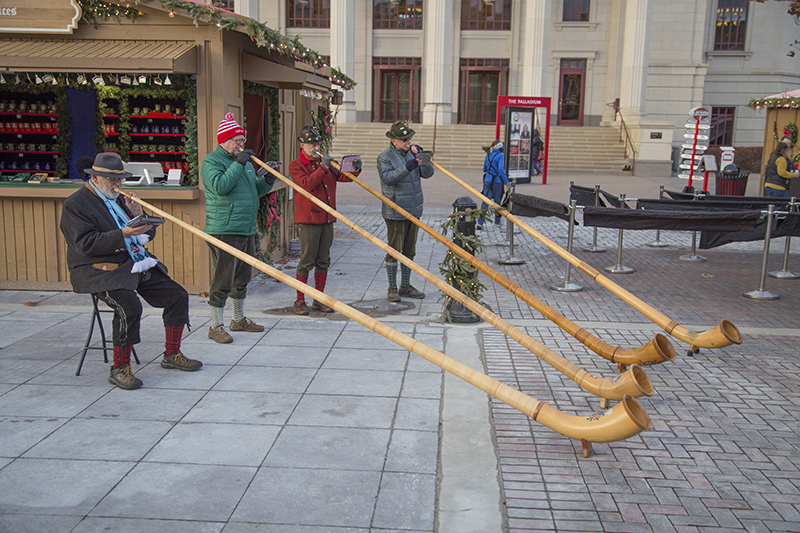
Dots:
pixel 107 258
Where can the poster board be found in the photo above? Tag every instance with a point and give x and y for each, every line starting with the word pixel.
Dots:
pixel 523 104
pixel 519 125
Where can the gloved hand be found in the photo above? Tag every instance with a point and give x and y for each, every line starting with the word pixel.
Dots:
pixel 357 164
pixel 244 156
pixel 326 160
pixel 269 177
pixel 411 164
pixel 415 148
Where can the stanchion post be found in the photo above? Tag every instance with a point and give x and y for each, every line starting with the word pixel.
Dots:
pixel 619 268
pixel 568 286
pixel 761 293
pixel 594 248
pixel 784 272
pixel 693 257
pixel 658 243
pixel 511 259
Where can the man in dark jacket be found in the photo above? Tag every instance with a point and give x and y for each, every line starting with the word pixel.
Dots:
pixel 107 258
pixel 316 174
pixel 232 191
pixel 400 168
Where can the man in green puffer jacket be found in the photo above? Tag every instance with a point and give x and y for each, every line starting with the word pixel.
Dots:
pixel 232 191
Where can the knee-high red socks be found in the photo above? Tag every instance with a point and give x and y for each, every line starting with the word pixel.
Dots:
pixel 173 339
pixel 319 280
pixel 122 356
pixel 300 296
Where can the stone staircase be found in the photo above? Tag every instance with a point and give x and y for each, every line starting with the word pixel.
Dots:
pixel 458 147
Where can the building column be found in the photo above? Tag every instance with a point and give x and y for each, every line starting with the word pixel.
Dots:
pixel 437 63
pixel 635 53
pixel 343 51
pixel 536 49
pixel 247 8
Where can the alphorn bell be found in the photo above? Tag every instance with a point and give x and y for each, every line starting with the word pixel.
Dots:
pixel 658 350
pixel 719 336
pixel 625 420
pixel 633 382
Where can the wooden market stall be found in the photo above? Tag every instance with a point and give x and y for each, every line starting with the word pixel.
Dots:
pixel 152 83
pixel 783 115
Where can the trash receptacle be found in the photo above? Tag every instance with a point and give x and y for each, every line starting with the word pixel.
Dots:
pixel 731 182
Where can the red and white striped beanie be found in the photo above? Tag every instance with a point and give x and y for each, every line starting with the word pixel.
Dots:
pixel 228 129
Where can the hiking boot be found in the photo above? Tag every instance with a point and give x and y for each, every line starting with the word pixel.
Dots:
pixel 246 324
pixel 123 378
pixel 393 295
pixel 319 306
pixel 411 292
pixel 219 334
pixel 300 307
pixel 179 361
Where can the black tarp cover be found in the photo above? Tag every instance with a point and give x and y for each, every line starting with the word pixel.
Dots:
pixel 782 226
pixel 639 219
pixel 531 206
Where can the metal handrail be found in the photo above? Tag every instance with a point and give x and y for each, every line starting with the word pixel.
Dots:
pixel 624 127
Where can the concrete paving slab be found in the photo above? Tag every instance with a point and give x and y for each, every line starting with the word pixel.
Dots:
pixel 310 497
pixel 177 492
pixel 214 444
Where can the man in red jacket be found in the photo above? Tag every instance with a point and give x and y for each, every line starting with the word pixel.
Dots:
pixel 315 174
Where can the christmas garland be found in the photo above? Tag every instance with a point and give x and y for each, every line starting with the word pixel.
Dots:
pixel 259 33
pixel 457 271
pixel 786 102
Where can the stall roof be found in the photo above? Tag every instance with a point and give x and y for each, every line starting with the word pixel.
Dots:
pixel 73 55
pixel 788 99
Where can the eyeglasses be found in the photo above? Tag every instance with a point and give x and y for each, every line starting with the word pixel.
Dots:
pixel 240 142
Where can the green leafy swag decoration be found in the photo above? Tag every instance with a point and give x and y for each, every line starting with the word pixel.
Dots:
pixel 259 32
pixel 457 271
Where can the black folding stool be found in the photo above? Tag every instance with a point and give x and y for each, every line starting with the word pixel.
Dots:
pixel 96 319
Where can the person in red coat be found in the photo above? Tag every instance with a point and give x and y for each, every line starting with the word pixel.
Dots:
pixel 315 174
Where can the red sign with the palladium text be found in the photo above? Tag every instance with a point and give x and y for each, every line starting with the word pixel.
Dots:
pixel 39 16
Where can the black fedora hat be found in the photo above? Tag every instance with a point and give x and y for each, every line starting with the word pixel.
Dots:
pixel 309 135
pixel 108 165
pixel 399 130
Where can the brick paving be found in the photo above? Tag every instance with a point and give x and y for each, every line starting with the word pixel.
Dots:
pixel 723 452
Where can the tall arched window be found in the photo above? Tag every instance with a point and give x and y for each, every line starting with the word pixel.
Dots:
pixel 731 25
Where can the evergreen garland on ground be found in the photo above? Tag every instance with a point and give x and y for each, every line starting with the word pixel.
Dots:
pixel 457 271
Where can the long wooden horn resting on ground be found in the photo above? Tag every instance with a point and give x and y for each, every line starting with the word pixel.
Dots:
pixel 719 336
pixel 658 350
pixel 634 382
pixel 625 420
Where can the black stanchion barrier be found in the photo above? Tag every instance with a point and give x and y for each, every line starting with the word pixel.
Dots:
pixel 658 243
pixel 784 272
pixel 568 286
pixel 576 190
pixel 693 257
pixel 761 293
pixel 511 259
pixel 619 268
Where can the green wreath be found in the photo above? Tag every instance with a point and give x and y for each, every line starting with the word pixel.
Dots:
pixel 789 129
